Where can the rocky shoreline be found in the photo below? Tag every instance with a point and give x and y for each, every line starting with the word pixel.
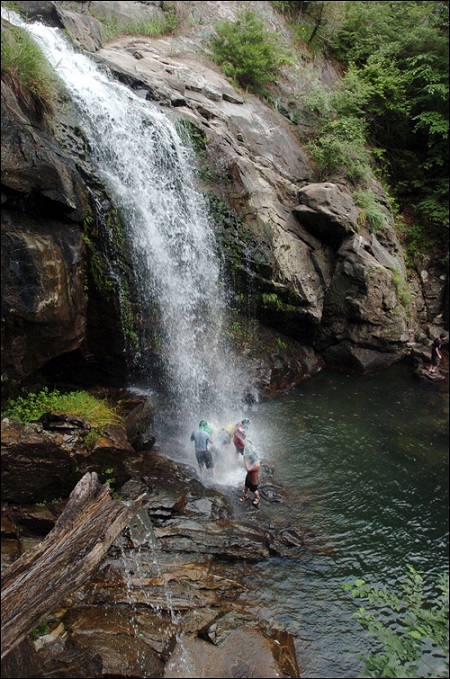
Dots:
pixel 171 590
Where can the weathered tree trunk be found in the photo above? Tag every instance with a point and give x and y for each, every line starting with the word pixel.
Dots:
pixel 38 581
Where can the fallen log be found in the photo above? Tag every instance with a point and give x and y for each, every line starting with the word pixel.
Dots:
pixel 35 584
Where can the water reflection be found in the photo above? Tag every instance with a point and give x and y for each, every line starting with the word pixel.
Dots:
pixel 365 461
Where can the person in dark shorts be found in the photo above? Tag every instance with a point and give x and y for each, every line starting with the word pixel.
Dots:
pixel 201 439
pixel 436 355
pixel 253 465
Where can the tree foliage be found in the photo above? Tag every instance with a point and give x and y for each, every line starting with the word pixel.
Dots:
pixel 247 52
pixel 396 54
pixel 412 633
pixel 399 50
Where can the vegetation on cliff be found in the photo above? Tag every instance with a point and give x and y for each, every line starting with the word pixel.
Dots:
pixel 27 71
pixel 388 117
pixel 152 28
pixel 249 54
pixel 394 96
pixel 29 407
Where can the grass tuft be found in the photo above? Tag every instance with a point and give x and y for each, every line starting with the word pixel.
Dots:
pixel 27 71
pixel 30 407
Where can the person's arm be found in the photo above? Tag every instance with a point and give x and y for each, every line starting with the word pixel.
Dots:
pixel 252 467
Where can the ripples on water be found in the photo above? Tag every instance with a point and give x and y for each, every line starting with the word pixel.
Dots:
pixel 365 460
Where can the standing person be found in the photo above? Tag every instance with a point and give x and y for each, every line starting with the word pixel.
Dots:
pixel 201 439
pixel 222 439
pixel 253 465
pixel 239 436
pixel 436 355
pixel 207 427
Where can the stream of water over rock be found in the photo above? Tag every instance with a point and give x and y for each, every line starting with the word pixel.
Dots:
pixel 149 173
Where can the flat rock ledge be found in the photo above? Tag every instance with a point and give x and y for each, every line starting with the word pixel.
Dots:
pixel 168 598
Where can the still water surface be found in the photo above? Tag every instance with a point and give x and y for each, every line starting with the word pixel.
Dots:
pixel 365 460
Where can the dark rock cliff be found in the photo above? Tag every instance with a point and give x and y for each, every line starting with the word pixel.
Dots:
pixel 294 247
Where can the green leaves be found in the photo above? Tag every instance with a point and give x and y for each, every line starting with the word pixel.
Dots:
pixel 408 629
pixel 400 51
pixel 246 52
pixel 30 407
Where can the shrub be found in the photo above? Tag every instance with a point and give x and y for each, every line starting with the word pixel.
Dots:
pixel 401 288
pixel 408 627
pixel 336 157
pixel 246 52
pixel 26 70
pixel 339 141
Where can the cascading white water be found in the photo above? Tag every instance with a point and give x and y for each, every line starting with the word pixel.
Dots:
pixel 148 170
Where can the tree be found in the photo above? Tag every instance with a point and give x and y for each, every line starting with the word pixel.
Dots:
pixel 247 52
pixel 400 50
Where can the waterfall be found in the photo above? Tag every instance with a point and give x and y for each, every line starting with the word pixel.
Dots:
pixel 149 174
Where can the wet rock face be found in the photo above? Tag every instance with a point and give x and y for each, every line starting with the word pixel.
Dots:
pixel 43 202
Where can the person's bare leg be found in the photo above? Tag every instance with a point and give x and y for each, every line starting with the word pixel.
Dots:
pixel 257 498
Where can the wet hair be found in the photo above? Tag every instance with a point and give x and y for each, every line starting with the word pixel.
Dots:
pixel 202 423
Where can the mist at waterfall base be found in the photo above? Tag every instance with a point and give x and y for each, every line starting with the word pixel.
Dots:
pixel 364 459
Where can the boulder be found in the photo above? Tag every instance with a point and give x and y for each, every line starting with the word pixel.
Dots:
pixel 245 652
pixel 363 307
pixel 327 211
pixel 41 462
